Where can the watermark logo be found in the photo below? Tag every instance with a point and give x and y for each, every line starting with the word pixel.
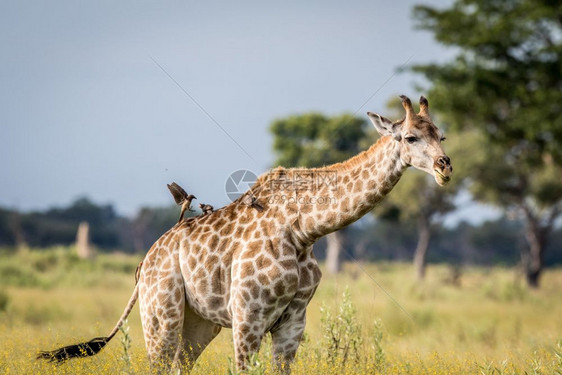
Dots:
pixel 311 180
pixel 238 183
pixel 294 186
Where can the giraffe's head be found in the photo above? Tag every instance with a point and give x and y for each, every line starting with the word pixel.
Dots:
pixel 420 140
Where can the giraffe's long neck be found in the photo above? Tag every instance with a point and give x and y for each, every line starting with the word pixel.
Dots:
pixel 360 183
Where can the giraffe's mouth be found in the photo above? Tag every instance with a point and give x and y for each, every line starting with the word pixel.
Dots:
pixel 440 178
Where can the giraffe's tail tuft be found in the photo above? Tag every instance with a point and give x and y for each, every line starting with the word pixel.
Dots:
pixel 84 349
pixel 92 347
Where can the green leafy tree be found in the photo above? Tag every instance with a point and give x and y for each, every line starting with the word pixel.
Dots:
pixel 314 140
pixel 506 82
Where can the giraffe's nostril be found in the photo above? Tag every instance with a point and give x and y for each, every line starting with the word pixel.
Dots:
pixel 444 161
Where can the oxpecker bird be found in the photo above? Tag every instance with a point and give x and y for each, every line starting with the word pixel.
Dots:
pixel 206 208
pixel 251 201
pixel 181 198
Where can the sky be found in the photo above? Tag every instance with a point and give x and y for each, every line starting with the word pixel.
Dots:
pixel 113 100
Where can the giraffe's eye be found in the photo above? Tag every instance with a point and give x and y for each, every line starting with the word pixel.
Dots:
pixel 443 139
pixel 411 139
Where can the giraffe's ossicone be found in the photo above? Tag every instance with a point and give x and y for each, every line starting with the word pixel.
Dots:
pixel 249 266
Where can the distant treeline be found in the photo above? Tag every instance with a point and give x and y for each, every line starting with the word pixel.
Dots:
pixel 108 230
pixel 496 242
pixel 492 242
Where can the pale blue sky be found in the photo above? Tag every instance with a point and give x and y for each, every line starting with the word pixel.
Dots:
pixel 84 110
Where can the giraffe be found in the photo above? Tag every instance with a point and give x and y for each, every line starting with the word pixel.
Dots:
pixel 252 269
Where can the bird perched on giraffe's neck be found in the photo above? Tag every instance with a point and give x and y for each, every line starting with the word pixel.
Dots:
pixel 250 200
pixel 182 198
pixel 206 208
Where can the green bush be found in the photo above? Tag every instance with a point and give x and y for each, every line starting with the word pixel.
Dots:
pixel 342 333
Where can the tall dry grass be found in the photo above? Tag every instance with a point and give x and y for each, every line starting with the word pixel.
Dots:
pixel 490 324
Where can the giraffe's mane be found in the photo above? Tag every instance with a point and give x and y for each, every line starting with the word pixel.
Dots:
pixel 355 160
pixel 359 158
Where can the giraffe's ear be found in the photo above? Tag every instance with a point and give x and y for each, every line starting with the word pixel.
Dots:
pixel 384 126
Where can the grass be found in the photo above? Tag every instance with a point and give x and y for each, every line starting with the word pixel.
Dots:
pixel 491 324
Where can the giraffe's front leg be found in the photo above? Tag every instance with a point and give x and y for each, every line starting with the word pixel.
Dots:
pixel 257 303
pixel 247 337
pixel 253 310
pixel 288 330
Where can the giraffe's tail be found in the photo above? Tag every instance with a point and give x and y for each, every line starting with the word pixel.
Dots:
pixel 92 347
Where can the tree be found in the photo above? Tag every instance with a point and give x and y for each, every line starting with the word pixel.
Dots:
pixel 506 82
pixel 315 140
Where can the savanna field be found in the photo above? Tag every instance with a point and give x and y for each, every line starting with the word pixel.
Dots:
pixel 486 321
